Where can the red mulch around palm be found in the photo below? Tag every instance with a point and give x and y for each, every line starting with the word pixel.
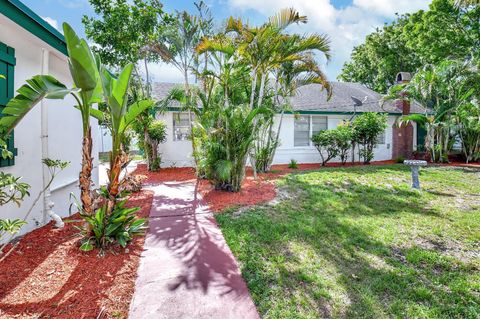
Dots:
pixel 47 276
pixel 253 191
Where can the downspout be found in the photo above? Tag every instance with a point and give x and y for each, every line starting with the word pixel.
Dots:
pixel 47 202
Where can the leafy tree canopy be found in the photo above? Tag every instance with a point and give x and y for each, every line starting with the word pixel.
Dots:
pixel 445 31
pixel 124 28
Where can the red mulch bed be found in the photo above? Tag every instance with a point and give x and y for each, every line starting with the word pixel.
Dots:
pixel 47 276
pixel 166 174
pixel 253 191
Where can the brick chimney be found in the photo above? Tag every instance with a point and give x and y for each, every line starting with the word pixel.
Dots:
pixel 402 138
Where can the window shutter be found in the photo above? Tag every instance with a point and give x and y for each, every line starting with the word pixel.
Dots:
pixel 7 65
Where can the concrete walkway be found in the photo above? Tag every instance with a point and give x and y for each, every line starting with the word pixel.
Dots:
pixel 186 269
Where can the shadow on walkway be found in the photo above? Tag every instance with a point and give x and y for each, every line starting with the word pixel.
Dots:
pixel 187 270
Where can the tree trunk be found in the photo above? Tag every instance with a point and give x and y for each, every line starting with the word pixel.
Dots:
pixel 85 178
pixel 116 163
pixel 147 77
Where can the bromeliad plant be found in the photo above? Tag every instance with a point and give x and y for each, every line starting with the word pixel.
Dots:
pixel 118 226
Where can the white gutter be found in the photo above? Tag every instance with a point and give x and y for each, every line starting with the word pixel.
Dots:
pixel 47 203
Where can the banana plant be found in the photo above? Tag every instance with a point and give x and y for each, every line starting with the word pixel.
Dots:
pixel 121 114
pixel 86 91
pixel 84 68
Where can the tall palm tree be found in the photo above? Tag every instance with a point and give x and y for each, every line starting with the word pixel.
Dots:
pixel 264 49
pixel 177 46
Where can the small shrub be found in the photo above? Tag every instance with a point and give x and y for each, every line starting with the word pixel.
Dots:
pixel 119 227
pixel 343 138
pixel 400 159
pixel 325 142
pixel 293 164
pixel 367 127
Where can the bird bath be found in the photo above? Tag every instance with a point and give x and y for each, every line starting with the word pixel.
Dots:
pixel 415 166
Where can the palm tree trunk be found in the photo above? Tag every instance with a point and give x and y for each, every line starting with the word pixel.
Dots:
pixel 189 101
pixel 85 178
pixel 254 85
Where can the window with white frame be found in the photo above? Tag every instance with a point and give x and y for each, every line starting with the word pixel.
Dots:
pixel 319 123
pixel 301 134
pixel 181 126
pixel 306 126
pixel 381 138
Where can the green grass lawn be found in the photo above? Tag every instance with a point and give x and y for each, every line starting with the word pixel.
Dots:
pixel 359 243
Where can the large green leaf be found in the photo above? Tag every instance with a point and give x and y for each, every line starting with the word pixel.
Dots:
pixel 30 94
pixel 134 111
pixel 115 92
pixel 83 65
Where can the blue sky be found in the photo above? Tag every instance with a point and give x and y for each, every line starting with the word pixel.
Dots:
pixel 346 22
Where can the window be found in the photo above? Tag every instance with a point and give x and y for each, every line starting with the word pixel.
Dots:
pixel 301 134
pixel 181 126
pixel 306 126
pixel 319 123
pixel 381 138
pixel 7 64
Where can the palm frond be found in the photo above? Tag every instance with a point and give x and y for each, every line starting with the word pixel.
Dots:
pixel 286 17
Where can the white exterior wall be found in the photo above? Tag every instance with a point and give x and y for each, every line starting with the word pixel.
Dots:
pixel 174 153
pixel 179 153
pixel 64 129
pixel 309 154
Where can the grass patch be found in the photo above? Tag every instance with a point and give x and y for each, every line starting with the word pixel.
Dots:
pixel 360 243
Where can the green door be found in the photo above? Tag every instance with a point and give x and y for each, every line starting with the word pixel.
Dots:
pixel 7 65
pixel 421 133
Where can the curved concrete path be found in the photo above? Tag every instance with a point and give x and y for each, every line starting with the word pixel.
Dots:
pixel 186 269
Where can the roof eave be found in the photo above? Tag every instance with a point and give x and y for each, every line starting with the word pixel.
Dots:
pixel 33 23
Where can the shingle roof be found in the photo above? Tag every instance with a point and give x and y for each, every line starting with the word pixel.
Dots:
pixel 313 98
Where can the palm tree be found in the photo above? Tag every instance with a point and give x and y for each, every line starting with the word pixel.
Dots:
pixel 289 78
pixel 263 50
pixel 177 46
pixel 441 89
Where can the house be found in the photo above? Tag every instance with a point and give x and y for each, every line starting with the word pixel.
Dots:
pixel 53 129
pixel 312 113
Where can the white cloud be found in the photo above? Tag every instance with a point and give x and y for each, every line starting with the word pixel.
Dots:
pixel 346 27
pixel 162 72
pixel 51 21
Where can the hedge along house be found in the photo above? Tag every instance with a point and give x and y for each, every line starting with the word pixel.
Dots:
pixel 53 129
pixel 312 113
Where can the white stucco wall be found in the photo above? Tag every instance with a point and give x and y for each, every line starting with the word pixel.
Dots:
pixel 309 154
pixel 64 129
pixel 179 153
pixel 174 153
